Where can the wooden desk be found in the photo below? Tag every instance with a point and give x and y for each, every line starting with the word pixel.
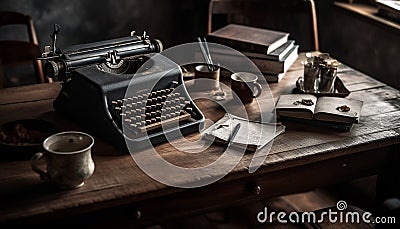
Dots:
pixel 303 158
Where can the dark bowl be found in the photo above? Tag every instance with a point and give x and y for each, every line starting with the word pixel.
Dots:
pixel 20 139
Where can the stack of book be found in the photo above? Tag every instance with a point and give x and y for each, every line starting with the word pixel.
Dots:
pixel 389 9
pixel 271 51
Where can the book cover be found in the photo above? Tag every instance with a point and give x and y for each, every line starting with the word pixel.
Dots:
pixel 331 125
pixel 389 9
pixel 245 38
pixel 276 67
pixel 273 78
pixel 277 54
pixel 389 6
pixel 310 107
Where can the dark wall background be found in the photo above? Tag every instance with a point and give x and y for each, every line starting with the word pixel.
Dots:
pixel 362 43
pixel 365 46
pixel 82 21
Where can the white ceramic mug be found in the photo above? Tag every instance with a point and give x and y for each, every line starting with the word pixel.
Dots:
pixel 68 158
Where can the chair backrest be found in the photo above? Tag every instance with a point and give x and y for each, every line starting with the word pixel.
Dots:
pixel 298 17
pixel 14 52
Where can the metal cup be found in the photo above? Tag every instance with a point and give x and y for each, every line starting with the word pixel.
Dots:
pixel 311 76
pixel 328 77
pixel 68 158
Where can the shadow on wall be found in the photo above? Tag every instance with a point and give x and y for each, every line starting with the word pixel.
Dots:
pixel 82 21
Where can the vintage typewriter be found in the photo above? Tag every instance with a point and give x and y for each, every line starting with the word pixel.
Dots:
pixel 115 89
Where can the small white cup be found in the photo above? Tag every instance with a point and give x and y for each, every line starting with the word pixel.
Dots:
pixel 68 158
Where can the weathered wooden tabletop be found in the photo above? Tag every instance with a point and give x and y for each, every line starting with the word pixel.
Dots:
pixel 317 156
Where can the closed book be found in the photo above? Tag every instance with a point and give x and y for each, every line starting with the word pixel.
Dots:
pixel 276 67
pixel 249 39
pixel 345 127
pixel 389 6
pixel 389 15
pixel 389 9
pixel 277 54
pixel 268 67
pixel 273 78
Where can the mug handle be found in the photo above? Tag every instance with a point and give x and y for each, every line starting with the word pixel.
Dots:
pixel 35 158
pixel 257 88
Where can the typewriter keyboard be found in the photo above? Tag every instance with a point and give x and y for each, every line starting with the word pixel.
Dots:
pixel 150 110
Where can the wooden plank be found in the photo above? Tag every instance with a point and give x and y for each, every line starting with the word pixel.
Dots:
pixel 28 93
pixel 38 109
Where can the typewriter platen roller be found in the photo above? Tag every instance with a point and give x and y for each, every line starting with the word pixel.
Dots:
pixel 128 99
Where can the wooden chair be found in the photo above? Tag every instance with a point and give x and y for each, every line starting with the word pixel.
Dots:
pixel 15 52
pixel 298 17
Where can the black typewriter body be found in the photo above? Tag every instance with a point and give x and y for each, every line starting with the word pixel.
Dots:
pixel 124 104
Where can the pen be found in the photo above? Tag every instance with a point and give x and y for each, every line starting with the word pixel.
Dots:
pixel 233 135
pixel 206 54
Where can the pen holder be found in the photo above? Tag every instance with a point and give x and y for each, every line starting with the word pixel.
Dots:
pixel 206 79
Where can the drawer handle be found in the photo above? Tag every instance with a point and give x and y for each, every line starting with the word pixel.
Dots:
pixel 256 190
pixel 138 214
